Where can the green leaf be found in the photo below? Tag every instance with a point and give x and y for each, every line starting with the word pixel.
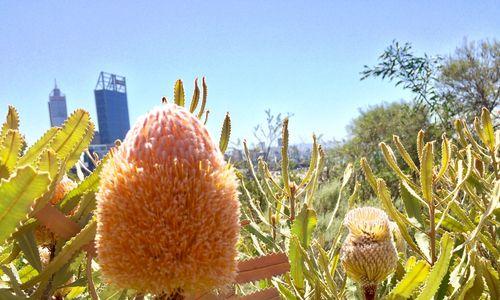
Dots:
pixel 491 278
pixel 196 97
pixel 404 154
pixel 412 204
pixel 488 130
pixel 179 98
pixel 391 161
pixel 48 162
pixel 402 222
pixel 5 294
pixel 89 184
pixel 27 243
pixel 11 121
pixel 85 236
pixel 369 174
pixel 9 152
pixel 439 269
pixel 296 263
pixel 426 172
pixel 284 158
pixel 420 144
pixel 302 230
pixel 225 134
pixel 82 145
pixel 18 194
pixel 445 157
pixel 36 149
pixel 203 98
pixel 304 225
pixel 412 280
pixel 66 141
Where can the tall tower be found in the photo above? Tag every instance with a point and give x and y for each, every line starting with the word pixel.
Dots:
pixel 57 107
pixel 112 108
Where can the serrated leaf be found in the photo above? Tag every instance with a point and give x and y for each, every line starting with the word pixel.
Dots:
pixel 89 184
pixel 439 269
pixel 369 174
pixel 36 149
pixel 18 194
pixel 85 236
pixel 302 230
pixel 420 144
pixel 284 158
pixel 203 98
pixel 179 97
pixel 445 157
pixel 9 152
pixel 27 243
pixel 225 134
pixel 404 154
pixel 412 204
pixel 390 158
pixel 48 162
pixel 487 129
pixel 412 280
pixel 304 225
pixel 73 130
pixel 491 278
pixel 296 265
pixel 11 121
pixel 196 97
pixel 81 146
pixel 385 197
pixel 426 171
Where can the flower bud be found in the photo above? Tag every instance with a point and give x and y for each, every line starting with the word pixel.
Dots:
pixel 368 254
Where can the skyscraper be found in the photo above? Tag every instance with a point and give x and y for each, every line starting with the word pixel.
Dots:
pixel 57 107
pixel 112 109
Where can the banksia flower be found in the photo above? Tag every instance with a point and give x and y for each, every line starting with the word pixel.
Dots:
pixel 42 234
pixel 168 210
pixel 368 254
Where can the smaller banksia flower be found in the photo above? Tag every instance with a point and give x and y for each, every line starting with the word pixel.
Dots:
pixel 43 235
pixel 368 254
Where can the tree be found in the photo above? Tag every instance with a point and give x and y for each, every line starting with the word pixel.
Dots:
pixel 376 124
pixel 268 133
pixel 454 87
pixel 470 79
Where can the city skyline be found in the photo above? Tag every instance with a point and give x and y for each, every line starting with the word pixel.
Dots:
pixel 58 111
pixel 291 56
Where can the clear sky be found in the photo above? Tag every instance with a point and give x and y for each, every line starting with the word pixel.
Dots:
pixel 302 57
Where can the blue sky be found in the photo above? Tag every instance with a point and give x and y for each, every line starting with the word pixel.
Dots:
pixel 302 57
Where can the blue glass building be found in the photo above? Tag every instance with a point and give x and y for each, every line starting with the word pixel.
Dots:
pixel 112 108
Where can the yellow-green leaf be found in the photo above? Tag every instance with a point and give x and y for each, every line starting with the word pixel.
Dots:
pixel 42 144
pixel 426 171
pixel 404 154
pixel 179 97
pixel 196 97
pixel 203 98
pixel 225 134
pixel 439 269
pixel 9 152
pixel 18 193
pixel 11 121
pixel 412 279
pixel 85 236
pixel 487 129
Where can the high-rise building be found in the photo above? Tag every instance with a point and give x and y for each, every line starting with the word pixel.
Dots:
pixel 112 109
pixel 57 107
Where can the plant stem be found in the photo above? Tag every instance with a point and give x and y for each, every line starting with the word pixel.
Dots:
pixel 370 291
pixel 432 233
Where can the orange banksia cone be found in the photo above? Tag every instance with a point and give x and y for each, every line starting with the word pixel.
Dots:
pixel 168 210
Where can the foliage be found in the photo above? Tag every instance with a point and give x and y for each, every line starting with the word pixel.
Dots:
pixel 380 123
pixel 453 87
pixel 443 219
